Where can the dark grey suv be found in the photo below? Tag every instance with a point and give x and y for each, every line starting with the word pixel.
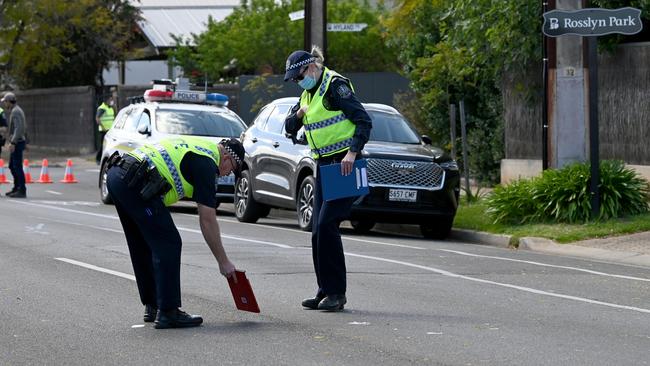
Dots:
pixel 410 181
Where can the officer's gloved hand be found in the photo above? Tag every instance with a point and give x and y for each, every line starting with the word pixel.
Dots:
pixel 292 137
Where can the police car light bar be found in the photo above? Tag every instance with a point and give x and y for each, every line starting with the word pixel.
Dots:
pixel 153 95
pixel 185 96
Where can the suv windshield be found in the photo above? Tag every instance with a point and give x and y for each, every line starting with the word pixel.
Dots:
pixel 390 127
pixel 199 123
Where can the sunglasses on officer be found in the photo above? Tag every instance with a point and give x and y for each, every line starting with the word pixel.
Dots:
pixel 301 75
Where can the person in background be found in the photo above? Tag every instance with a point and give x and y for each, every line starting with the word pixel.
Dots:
pixel 3 129
pixel 17 139
pixel 336 128
pixel 146 180
pixel 104 117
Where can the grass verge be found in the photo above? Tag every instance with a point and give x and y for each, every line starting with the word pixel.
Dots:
pixel 473 217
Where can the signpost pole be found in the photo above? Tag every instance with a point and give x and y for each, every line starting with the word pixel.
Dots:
pixel 591 23
pixel 593 126
pixel 545 94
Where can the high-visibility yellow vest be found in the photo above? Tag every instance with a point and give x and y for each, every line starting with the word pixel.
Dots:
pixel 167 155
pixel 327 132
pixel 107 118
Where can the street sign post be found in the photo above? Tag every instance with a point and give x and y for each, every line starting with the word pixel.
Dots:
pixel 297 15
pixel 346 27
pixel 591 23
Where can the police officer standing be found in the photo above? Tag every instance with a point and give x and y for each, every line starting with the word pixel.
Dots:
pixel 104 117
pixel 336 127
pixel 142 183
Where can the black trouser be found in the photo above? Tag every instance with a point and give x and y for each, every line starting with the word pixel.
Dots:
pixel 326 245
pixel 98 157
pixel 16 166
pixel 153 240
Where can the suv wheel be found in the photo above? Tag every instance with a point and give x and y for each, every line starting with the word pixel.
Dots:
pixel 246 208
pixel 362 226
pixel 305 203
pixel 439 229
pixel 103 188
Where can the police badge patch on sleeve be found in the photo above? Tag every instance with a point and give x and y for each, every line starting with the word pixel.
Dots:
pixel 344 90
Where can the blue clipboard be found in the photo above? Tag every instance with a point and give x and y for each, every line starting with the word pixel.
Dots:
pixel 335 185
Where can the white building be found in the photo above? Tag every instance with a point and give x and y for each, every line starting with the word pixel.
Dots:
pixel 160 20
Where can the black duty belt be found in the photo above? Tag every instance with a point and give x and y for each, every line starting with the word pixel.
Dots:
pixel 139 174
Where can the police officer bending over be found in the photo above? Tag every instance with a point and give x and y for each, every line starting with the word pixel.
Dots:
pixel 336 127
pixel 142 183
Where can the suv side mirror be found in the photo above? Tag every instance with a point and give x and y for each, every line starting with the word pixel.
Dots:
pixel 143 129
pixel 426 139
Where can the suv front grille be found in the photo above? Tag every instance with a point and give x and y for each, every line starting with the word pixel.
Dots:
pixel 405 174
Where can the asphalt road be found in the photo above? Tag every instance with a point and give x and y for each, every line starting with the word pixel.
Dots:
pixel 67 296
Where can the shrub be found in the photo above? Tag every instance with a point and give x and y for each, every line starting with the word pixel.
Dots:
pixel 563 195
pixel 513 203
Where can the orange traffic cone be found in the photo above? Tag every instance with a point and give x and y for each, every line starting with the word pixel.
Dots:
pixel 28 175
pixel 3 177
pixel 69 177
pixel 45 176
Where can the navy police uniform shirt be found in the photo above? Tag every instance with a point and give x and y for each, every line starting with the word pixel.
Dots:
pixel 339 97
pixel 201 172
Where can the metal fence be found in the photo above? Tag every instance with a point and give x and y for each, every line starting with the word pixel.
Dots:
pixel 60 119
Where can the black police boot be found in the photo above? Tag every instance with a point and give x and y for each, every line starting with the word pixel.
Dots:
pixel 312 302
pixel 150 313
pixel 13 190
pixel 332 303
pixel 176 318
pixel 21 193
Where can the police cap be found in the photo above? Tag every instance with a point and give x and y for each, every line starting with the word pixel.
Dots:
pixel 295 62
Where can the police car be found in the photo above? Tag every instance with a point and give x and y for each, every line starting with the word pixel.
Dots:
pixel 165 112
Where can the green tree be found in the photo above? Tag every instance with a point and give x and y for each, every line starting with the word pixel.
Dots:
pixel 49 43
pixel 456 50
pixel 260 35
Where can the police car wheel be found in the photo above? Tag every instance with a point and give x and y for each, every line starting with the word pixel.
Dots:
pixel 437 230
pixel 246 208
pixel 305 203
pixel 103 188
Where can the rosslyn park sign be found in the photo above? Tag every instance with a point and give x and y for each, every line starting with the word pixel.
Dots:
pixel 592 22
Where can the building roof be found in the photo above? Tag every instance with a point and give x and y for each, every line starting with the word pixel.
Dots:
pixel 161 18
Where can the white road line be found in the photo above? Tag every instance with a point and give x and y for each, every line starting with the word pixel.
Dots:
pixel 92 170
pixel 54 192
pixel 546 265
pixel 114 217
pixel 306 232
pixel 83 225
pixel 239 238
pixel 96 268
pixel 520 288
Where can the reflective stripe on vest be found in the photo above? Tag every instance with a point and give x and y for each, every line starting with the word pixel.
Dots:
pixel 106 119
pixel 328 132
pixel 167 155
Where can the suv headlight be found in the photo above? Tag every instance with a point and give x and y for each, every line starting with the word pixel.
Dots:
pixel 449 165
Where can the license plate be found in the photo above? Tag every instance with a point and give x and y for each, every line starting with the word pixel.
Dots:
pixel 404 195
pixel 228 180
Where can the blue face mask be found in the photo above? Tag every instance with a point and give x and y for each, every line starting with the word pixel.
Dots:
pixel 307 83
